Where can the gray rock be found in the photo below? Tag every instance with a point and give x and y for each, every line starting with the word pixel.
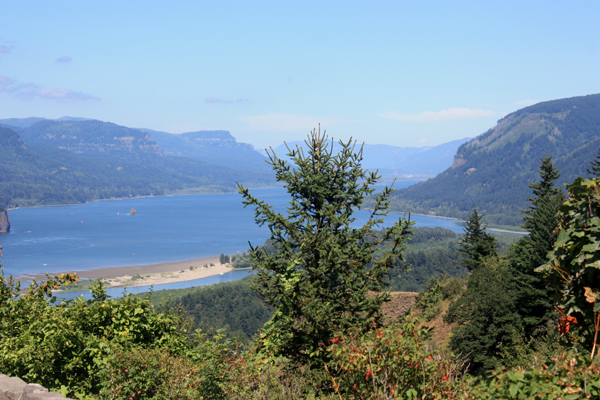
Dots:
pixel 33 390
pixel 15 389
pixel 11 388
pixel 4 222
pixel 44 396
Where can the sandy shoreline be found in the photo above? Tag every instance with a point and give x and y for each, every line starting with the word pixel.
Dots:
pixel 152 274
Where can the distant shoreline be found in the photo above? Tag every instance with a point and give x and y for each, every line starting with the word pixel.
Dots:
pixel 117 198
pixel 460 220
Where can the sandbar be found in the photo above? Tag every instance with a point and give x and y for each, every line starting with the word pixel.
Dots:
pixel 154 274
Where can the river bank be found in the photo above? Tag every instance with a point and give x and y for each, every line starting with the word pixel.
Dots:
pixel 146 275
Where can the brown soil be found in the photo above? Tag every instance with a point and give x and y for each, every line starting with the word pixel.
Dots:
pixel 398 305
pixel 441 330
pixel 402 301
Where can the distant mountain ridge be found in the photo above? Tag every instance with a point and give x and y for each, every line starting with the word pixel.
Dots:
pixel 62 162
pixel 92 138
pixel 398 161
pixel 493 170
pixel 215 147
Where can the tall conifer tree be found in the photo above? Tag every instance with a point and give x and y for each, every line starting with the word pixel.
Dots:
pixel 319 278
pixel 530 252
pixel 476 245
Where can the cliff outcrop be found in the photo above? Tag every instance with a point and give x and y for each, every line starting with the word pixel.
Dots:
pixel 4 222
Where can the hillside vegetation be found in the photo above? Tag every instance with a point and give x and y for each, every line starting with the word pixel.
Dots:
pixel 64 162
pixel 492 171
pixel 326 283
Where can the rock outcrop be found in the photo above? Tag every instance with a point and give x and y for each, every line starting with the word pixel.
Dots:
pixel 132 212
pixel 13 388
pixel 4 222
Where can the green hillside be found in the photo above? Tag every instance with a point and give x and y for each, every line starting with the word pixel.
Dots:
pixel 35 174
pixel 492 171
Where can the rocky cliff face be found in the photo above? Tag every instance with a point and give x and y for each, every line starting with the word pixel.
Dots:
pixel 4 222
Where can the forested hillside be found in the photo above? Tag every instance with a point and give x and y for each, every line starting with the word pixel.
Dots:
pixel 40 174
pixel 93 138
pixel 492 171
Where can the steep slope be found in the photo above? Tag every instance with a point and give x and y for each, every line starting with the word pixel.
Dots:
pixel 214 147
pixel 492 171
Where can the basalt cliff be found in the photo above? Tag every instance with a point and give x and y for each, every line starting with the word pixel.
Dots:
pixel 4 221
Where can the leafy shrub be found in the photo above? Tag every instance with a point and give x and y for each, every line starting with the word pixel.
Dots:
pixel 390 362
pixel 150 374
pixel 65 346
pixel 253 376
pixel 566 377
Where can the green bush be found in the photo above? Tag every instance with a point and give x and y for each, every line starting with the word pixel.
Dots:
pixel 392 362
pixel 150 374
pixel 568 376
pixel 65 346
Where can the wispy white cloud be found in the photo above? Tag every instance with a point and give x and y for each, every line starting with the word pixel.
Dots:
pixel 64 59
pixel 30 91
pixel 218 100
pixel 422 141
pixel 443 115
pixel 526 102
pixel 288 122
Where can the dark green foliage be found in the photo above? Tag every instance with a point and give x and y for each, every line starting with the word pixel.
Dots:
pixel 594 171
pixel 430 253
pixel 318 279
pixel 224 259
pixel 476 245
pixel 492 171
pixel 232 306
pixel 487 318
pixel 528 253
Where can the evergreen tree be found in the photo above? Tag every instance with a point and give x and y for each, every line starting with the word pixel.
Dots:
pixel 530 252
pixel 476 245
pixel 594 172
pixel 486 315
pixel 323 269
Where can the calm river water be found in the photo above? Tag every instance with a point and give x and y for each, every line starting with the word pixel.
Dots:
pixel 168 228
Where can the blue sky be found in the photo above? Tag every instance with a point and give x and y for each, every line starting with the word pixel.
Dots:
pixel 399 73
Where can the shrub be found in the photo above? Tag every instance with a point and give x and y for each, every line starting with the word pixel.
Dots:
pixel 568 376
pixel 65 346
pixel 391 362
